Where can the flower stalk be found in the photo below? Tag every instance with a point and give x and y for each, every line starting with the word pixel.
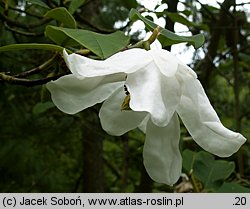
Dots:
pixel 146 44
pixel 194 182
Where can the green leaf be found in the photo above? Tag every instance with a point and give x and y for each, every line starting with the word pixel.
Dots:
pixel 129 4
pixel 103 45
pixel 188 160
pixel 13 47
pixel 39 3
pixel 233 188
pixel 177 17
pixel 74 5
pixel 211 172
pixel 61 14
pixel 42 107
pixel 167 37
pixel 57 35
pixel 187 12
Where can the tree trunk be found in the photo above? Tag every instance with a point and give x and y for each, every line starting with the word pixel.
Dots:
pixel 206 66
pixel 172 7
pixel 146 182
pixel 93 173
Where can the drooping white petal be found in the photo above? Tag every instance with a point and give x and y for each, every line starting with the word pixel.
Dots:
pixel 161 155
pixel 203 124
pixel 152 92
pixel 115 121
pixel 127 61
pixel 71 95
pixel 143 125
pixel 185 72
pixel 165 62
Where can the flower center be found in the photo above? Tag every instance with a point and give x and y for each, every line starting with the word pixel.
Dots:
pixel 125 103
pixel 126 90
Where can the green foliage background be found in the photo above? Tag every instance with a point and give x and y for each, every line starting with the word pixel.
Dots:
pixel 45 150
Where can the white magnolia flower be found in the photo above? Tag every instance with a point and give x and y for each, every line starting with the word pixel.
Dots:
pixel 161 88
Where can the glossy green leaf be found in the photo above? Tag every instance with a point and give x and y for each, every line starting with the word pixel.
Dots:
pixel 103 45
pixel 57 35
pixel 62 15
pixel 74 5
pixel 13 47
pixel 167 37
pixel 39 3
pixel 211 172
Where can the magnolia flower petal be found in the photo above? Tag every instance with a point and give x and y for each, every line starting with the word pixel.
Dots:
pixel 143 125
pixel 71 95
pixel 152 92
pixel 165 62
pixel 161 155
pixel 127 62
pixel 185 72
pixel 116 121
pixel 203 124
pixel 170 65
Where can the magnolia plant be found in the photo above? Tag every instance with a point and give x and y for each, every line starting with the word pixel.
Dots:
pixel 150 90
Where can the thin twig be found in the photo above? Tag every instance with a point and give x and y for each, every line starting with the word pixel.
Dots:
pixel 24 33
pixel 25 25
pixel 226 10
pixel 24 11
pixel 218 71
pixel 27 82
pixel 207 10
pixel 38 69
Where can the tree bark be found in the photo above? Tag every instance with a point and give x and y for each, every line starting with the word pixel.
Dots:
pixel 93 173
pixel 146 182
pixel 124 177
pixel 172 7
pixel 206 66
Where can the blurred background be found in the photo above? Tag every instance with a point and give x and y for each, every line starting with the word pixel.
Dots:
pixel 45 150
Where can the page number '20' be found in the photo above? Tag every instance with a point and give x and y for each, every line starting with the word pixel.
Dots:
pixel 240 201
